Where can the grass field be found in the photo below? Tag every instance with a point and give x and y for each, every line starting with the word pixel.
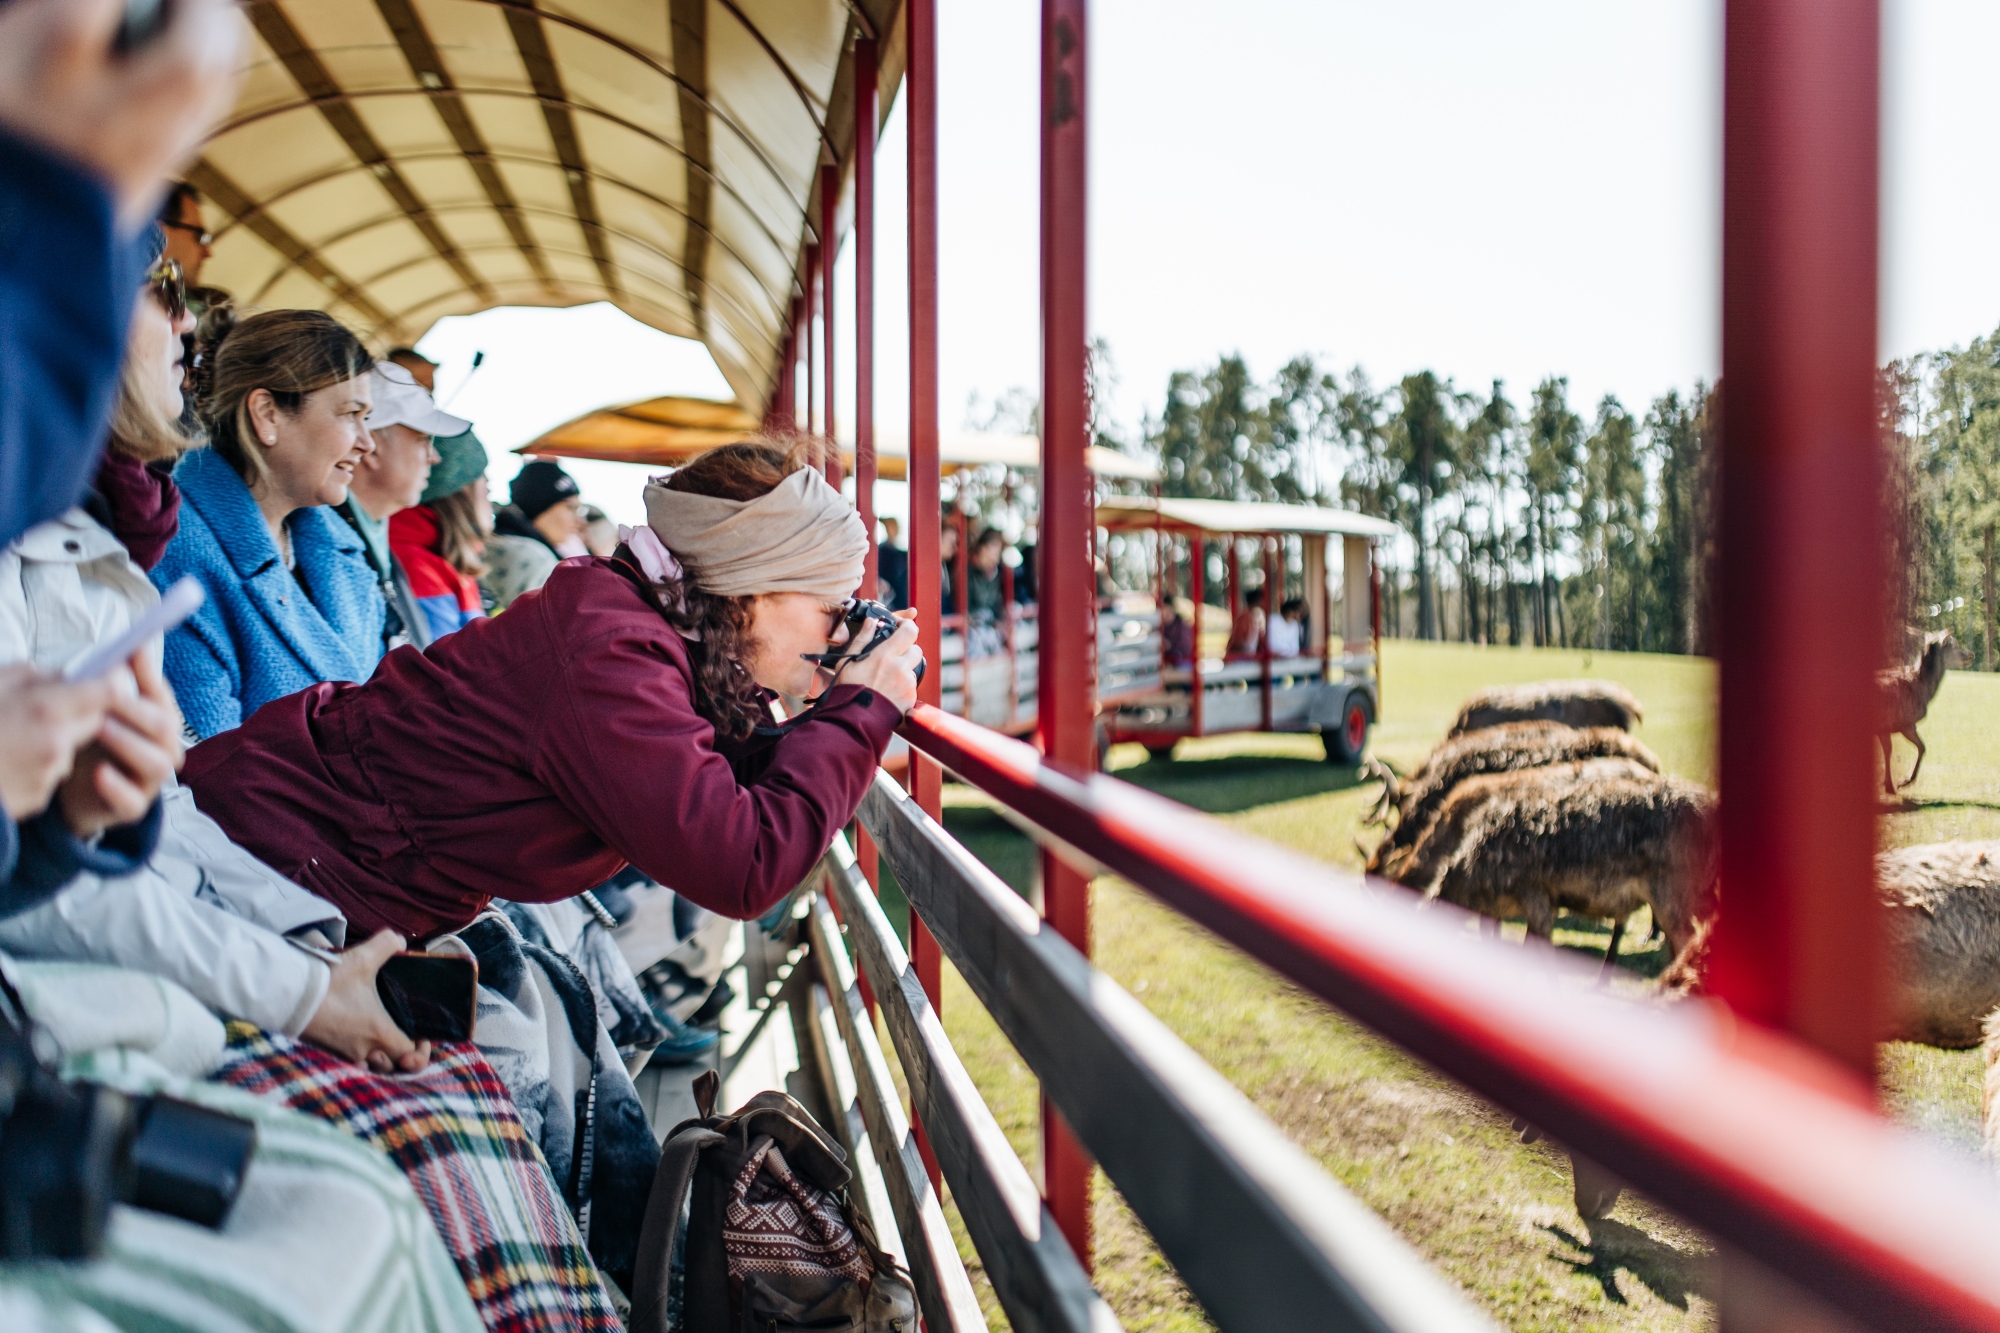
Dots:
pixel 1440 1165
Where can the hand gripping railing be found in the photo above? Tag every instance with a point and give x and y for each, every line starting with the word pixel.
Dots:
pixel 1771 1149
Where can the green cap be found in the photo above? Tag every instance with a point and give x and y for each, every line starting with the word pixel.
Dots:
pixel 461 458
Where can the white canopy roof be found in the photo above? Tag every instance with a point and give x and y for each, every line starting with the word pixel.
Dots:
pixel 396 161
pixel 1142 511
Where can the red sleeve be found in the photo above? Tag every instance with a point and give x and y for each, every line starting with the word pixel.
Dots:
pixel 624 750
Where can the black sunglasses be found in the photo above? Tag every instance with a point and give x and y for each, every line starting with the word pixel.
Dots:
pixel 169 287
pixel 202 234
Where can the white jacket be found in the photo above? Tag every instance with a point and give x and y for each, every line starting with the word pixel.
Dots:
pixel 204 912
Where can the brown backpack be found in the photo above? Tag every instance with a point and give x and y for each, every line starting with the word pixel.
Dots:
pixel 749 1230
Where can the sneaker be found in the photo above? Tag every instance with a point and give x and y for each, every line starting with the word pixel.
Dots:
pixel 684 1044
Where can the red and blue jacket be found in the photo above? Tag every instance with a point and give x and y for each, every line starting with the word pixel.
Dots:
pixel 448 598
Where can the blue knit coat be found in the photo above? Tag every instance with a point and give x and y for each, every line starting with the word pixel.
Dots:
pixel 260 636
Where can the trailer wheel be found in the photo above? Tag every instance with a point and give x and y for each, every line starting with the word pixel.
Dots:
pixel 1346 742
pixel 1160 754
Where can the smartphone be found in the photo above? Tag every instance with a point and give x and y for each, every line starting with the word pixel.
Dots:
pixel 177 604
pixel 432 997
pixel 142 21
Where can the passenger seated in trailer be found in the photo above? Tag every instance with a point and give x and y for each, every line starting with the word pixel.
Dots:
pixel 620 714
pixel 1247 630
pixel 892 566
pixel 1288 631
pixel 950 596
pixel 1177 632
pixel 441 544
pixel 530 534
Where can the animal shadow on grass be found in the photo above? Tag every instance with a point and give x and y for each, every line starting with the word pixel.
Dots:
pixel 1230 783
pixel 1647 961
pixel 1669 1272
pixel 1907 805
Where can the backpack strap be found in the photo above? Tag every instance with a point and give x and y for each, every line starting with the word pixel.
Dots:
pixel 661 1229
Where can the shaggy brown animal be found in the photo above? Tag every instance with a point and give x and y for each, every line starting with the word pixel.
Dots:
pixel 1906 695
pixel 1943 905
pixel 1507 748
pixel 1941 909
pixel 1579 703
pixel 1585 838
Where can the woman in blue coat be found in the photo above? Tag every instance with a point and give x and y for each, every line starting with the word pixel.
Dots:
pixel 292 600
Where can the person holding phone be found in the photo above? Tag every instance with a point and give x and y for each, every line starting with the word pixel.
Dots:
pixel 88 138
pixel 619 714
pixel 245 941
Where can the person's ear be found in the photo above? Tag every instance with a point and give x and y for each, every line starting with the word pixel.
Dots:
pixel 263 417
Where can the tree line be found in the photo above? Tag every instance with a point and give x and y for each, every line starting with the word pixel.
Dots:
pixel 1541 522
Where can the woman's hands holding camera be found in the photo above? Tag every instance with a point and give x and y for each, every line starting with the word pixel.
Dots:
pixel 891 670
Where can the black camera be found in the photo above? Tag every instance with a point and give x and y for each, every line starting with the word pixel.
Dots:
pixel 862 612
pixel 69 1150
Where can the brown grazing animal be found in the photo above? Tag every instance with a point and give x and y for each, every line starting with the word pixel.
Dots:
pixel 1941 909
pixel 1906 695
pixel 1579 703
pixel 1584 838
pixel 1943 906
pixel 1509 747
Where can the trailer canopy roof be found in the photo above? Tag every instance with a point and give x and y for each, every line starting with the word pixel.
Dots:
pixel 397 161
pixel 1227 516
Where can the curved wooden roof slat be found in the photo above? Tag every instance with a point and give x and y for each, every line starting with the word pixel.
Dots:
pixel 522 95
pixel 784 66
pixel 212 182
pixel 400 266
pixel 596 174
pixel 429 70
pixel 524 22
pixel 312 75
pixel 687 30
pixel 626 48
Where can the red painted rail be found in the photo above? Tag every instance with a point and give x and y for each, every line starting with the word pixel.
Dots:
pixel 1766 1144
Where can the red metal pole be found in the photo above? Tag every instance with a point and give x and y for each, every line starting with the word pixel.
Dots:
pixel 1068 590
pixel 865 114
pixel 1375 623
pixel 920 118
pixel 812 338
pixel 1197 572
pixel 1273 594
pixel 1799 612
pixel 829 199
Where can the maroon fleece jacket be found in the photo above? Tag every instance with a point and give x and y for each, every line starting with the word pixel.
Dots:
pixel 530 757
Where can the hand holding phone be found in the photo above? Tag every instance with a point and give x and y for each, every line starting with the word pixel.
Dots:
pixel 175 605
pixel 431 997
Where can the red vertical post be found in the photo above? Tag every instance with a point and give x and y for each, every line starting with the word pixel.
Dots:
pixel 829 202
pixel 1068 590
pixel 1197 572
pixel 1800 608
pixel 865 114
pixel 812 338
pixel 1375 623
pixel 1274 593
pixel 920 118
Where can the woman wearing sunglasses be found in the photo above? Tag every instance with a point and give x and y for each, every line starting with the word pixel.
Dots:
pixel 618 715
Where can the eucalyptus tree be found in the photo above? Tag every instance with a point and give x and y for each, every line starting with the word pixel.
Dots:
pixel 1554 450
pixel 1965 433
pixel 1424 441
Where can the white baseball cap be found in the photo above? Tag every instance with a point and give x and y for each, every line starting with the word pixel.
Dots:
pixel 401 401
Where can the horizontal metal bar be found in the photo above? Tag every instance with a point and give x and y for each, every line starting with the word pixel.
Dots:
pixel 1753 1137
pixel 944 1291
pixel 1261 1235
pixel 1035 1274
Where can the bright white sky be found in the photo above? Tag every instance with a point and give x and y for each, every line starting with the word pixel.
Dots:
pixel 1487 189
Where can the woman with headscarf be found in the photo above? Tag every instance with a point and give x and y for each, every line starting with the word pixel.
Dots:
pixel 618 715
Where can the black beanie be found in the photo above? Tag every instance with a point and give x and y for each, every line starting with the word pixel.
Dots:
pixel 540 486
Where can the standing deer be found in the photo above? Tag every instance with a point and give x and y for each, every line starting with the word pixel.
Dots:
pixel 1906 693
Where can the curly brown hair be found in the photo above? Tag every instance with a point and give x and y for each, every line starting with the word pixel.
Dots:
pixel 725 694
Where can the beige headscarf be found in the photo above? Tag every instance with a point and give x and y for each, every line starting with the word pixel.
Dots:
pixel 802 536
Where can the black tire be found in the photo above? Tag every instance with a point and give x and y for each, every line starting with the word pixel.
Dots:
pixel 1161 754
pixel 1348 740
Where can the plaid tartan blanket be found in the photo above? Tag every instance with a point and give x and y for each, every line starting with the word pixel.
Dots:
pixel 455 1134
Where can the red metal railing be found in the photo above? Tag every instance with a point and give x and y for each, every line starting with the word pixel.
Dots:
pixel 1760 1140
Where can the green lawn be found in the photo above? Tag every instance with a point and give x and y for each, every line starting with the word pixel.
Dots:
pixel 1439 1164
